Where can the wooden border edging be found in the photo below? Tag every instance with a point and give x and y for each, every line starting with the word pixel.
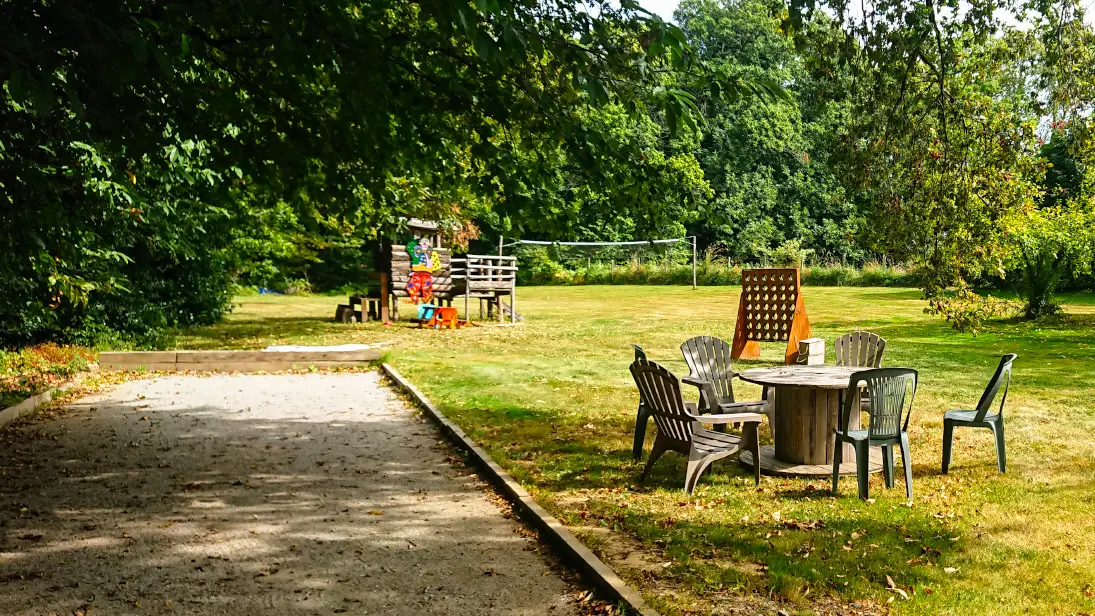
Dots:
pixel 33 403
pixel 233 361
pixel 564 541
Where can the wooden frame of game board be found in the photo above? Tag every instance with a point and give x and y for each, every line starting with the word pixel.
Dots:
pixel 771 309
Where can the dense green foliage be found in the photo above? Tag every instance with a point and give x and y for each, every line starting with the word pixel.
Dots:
pixel 950 108
pixel 950 140
pixel 147 148
pixel 768 161
pixel 153 155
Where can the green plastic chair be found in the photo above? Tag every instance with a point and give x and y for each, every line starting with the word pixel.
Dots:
pixel 642 415
pixel 980 418
pixel 887 389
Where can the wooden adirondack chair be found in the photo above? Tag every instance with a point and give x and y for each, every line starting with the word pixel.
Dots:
pixel 710 370
pixel 981 418
pixel 642 415
pixel 681 429
pixel 887 391
pixel 860 350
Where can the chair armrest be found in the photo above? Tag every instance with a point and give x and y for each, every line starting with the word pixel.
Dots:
pixel 758 406
pixel 732 418
pixel 709 400
pixel 692 379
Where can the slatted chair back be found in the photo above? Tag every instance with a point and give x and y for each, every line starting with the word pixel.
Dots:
pixel 640 354
pixel 860 350
pixel 661 391
pixel 708 358
pixel 1001 378
pixel 891 392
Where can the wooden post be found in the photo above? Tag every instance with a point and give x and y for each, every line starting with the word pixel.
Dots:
pixel 693 262
pixel 513 298
pixel 385 293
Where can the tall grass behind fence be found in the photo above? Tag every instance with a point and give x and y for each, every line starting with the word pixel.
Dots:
pixel 708 273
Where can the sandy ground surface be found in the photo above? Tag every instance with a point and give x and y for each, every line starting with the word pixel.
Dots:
pixel 261 494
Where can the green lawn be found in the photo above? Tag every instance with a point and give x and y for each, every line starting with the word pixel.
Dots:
pixel 552 401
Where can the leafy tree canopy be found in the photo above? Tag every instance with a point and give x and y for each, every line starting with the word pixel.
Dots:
pixel 135 134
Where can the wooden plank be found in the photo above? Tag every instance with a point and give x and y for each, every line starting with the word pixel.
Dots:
pixel 192 357
pixel 446 294
pixel 244 361
pixel 265 366
pixel 770 465
pixel 492 257
pixel 136 357
pixel 497 268
pixel 785 422
pixel 149 367
pixel 340 356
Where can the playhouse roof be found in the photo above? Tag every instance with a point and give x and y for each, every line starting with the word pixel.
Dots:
pixel 418 223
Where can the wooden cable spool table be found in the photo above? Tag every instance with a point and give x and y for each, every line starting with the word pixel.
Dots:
pixel 808 406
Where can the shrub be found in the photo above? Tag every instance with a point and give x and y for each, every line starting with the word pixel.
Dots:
pixel 31 370
pixel 709 272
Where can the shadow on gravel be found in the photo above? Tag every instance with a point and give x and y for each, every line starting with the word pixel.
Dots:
pixel 314 504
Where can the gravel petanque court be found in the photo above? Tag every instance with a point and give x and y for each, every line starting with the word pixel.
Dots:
pixel 255 494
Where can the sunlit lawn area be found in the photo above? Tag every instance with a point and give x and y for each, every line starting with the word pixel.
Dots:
pixel 553 402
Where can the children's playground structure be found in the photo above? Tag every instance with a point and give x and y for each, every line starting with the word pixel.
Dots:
pixel 425 277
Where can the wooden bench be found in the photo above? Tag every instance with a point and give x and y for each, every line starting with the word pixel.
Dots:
pixel 366 308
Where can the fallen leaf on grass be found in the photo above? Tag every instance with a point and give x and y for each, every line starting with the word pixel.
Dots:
pixel 893 588
pixel 797 525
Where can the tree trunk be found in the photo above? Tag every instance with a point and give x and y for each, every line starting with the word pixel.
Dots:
pixel 1042 273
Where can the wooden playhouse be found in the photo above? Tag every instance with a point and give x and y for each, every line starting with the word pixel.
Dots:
pixel 419 269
